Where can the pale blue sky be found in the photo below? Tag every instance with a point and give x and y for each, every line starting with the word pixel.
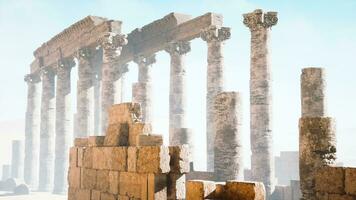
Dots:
pixel 309 33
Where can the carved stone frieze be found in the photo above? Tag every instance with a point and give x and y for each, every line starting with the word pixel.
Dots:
pixel 214 33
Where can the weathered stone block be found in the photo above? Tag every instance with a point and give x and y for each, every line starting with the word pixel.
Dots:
pixel 124 113
pixel 137 129
pixel 245 190
pixel 88 178
pixel 117 135
pixel 74 177
pixel 340 197
pixel 108 196
pixel 73 157
pixel 80 156
pixel 119 159
pixel 157 186
pixel 95 195
pixel 110 158
pixel 96 141
pixel 175 186
pixel 132 159
pixel 114 182
pixel 133 185
pixel 88 157
pixel 78 194
pixel 179 162
pixel 81 142
pixel 330 180
pixel 219 190
pixel 350 181
pixel 102 180
pixel 198 190
pixel 149 140
pixel 153 159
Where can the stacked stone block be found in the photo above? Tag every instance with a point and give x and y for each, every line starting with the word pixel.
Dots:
pixel 128 163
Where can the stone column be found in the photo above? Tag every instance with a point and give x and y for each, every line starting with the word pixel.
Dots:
pixel 64 124
pixel 48 129
pixel 97 103
pixel 141 91
pixel 177 91
pixel 228 158
pixel 317 140
pixel 262 159
pixel 6 172
pixel 85 94
pixel 215 37
pixel 32 130
pixel 119 83
pixel 112 45
pixel 17 167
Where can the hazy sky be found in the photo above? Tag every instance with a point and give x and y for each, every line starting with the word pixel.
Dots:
pixel 309 33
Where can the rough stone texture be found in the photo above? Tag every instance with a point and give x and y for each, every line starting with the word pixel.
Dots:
pixel 96 141
pixel 114 182
pixel 313 87
pixel 179 159
pixel 214 37
pixel 79 194
pixel 108 196
pixel 88 158
pixel 125 113
pixel 32 130
pixel 330 180
pixel 81 142
pixel 88 178
pixel 156 186
pixel 137 129
pixel 132 159
pixel 228 158
pixel 47 134
pixel 110 158
pixel 176 186
pixel 103 180
pixel 17 167
pixel 184 136
pixel 317 148
pixel 64 125
pixel 262 165
pixel 153 159
pixel 117 135
pixel 244 190
pixel 141 91
pixel 74 174
pixel 133 185
pixel 177 90
pixel 95 195
pixel 350 181
pixel 198 190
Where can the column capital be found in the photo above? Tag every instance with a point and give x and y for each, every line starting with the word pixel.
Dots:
pixel 32 78
pixel 65 64
pixel 142 60
pixel 214 33
pixel 112 44
pixel 257 19
pixel 180 47
pixel 47 71
pixel 85 53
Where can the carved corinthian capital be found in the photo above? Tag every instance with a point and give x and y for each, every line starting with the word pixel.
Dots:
pixel 32 78
pixel 142 60
pixel 85 53
pixel 257 19
pixel 47 71
pixel 112 44
pixel 181 47
pixel 65 63
pixel 214 33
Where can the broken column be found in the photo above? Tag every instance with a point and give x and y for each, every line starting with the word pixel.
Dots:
pixel 215 37
pixel 32 129
pixel 141 91
pixel 85 94
pixel 228 159
pixel 17 167
pixel 262 160
pixel 317 140
pixel 48 129
pixel 64 124
pixel 111 44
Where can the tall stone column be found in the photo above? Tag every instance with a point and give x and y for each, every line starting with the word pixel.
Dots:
pixel 317 139
pixel 262 159
pixel 32 130
pixel 228 158
pixel 215 37
pixel 85 94
pixel 64 124
pixel 141 91
pixel 97 102
pixel 112 45
pixel 177 91
pixel 48 130
pixel 17 167
pixel 119 83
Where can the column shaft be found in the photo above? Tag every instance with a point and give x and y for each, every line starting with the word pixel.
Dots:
pixel 17 167
pixel 48 106
pixel 32 130
pixel 64 125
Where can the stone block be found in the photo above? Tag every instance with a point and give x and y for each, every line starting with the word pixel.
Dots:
pixel 114 182
pixel 117 135
pixel 132 159
pixel 79 194
pixel 201 175
pixel 133 185
pixel 119 159
pixel 198 189
pixel 95 195
pixel 73 157
pixel 340 197
pixel 81 142
pixel 124 113
pixel 88 178
pixel 102 180
pixel 153 159
pixel 330 180
pixel 350 181
pixel 96 141
pixel 175 186
pixel 179 162
pixel 149 140
pixel 88 157
pixel 137 129
pixel 219 190
pixel 74 177
pixel 110 158
pixel 245 190
pixel 156 186
pixel 108 196
pixel 80 157
pixel 122 197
